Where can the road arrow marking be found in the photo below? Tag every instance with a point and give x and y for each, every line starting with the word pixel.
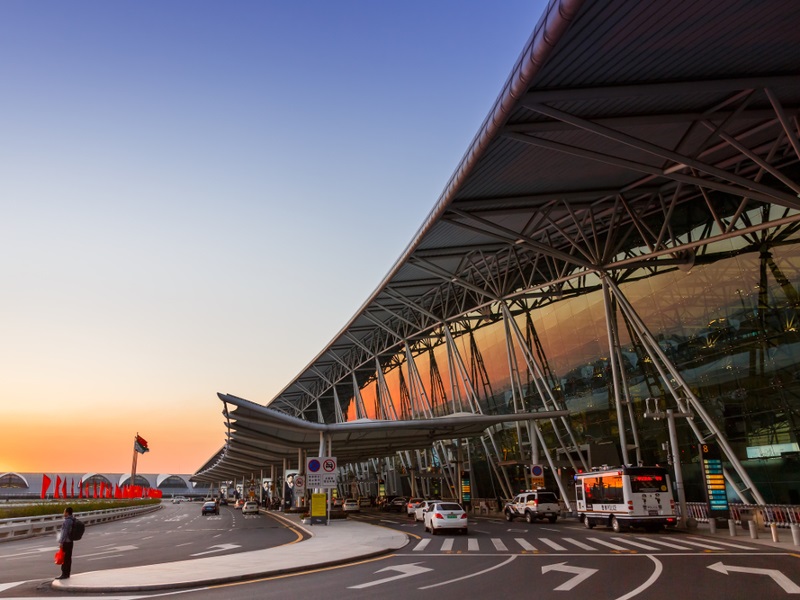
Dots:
pixel 782 580
pixel 110 550
pixel 581 573
pixel 219 548
pixel 405 571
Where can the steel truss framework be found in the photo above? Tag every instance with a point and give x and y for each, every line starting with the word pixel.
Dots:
pixel 594 168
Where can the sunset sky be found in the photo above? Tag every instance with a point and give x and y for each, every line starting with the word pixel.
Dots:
pixel 196 196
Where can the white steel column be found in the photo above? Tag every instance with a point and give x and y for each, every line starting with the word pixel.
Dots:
pixel 612 357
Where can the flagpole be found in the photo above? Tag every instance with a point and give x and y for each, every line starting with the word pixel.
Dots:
pixel 133 466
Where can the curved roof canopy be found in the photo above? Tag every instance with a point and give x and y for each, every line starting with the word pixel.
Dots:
pixel 623 129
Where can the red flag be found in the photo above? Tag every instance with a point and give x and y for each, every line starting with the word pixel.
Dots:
pixel 64 487
pixel 94 485
pixel 45 485
pixel 80 489
pixel 57 488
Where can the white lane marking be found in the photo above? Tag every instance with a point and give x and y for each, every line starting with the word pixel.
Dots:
pixel 732 545
pixel 472 545
pixel 632 543
pixel 28 553
pixel 580 573
pixel 447 545
pixel 552 544
pixel 579 544
pixel 8 586
pixel 701 545
pixel 667 544
pixel 502 564
pixel 499 545
pixel 105 557
pixel 422 545
pixel 650 580
pixel 782 580
pixel 525 545
pixel 405 571
pixel 609 544
pixel 217 548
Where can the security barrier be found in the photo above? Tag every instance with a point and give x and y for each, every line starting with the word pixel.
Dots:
pixel 25 527
pixel 781 515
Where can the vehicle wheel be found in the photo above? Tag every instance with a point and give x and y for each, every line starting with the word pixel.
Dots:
pixel 509 517
pixel 433 530
pixel 587 523
pixel 529 517
pixel 616 526
pixel 552 519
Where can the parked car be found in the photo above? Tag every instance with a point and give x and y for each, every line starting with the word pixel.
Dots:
pixel 209 508
pixel 397 504
pixel 411 505
pixel 250 508
pixel 178 499
pixel 351 505
pixel 533 505
pixel 445 515
pixel 419 512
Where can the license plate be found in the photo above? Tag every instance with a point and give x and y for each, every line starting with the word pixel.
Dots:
pixel 652 513
pixel 451 516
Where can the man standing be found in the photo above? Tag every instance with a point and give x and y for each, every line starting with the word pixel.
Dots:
pixel 65 543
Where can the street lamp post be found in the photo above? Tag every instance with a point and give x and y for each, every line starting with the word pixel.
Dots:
pixel 655 413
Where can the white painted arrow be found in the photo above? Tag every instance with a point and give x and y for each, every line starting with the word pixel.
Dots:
pixel 219 548
pixel 405 571
pixel 782 580
pixel 110 550
pixel 581 573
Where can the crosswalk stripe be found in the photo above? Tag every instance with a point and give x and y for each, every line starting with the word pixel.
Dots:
pixel 732 545
pixel 667 544
pixel 422 545
pixel 632 543
pixel 499 545
pixel 472 545
pixel 578 544
pixel 701 545
pixel 552 544
pixel 525 545
pixel 608 544
pixel 447 545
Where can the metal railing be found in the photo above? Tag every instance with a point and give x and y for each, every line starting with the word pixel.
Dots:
pixel 782 515
pixel 25 527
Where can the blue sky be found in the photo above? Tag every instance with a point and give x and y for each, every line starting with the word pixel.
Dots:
pixel 197 196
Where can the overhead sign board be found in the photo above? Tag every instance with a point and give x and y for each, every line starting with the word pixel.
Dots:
pixel 321 472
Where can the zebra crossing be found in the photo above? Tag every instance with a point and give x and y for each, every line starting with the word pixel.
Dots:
pixel 545 545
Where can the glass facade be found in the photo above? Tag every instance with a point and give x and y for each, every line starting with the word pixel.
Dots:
pixel 728 322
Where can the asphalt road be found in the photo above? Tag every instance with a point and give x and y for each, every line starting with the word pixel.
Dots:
pixel 176 532
pixel 495 560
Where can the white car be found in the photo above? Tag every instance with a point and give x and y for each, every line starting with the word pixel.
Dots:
pixel 250 508
pixel 411 505
pixel 351 505
pixel 445 515
pixel 419 512
pixel 178 499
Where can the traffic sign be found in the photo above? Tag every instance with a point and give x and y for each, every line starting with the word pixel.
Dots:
pixel 321 472
pixel 299 482
pixel 537 476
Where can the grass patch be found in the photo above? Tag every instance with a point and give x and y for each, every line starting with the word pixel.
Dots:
pixel 57 508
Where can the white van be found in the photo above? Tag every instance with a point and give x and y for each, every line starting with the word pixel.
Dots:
pixel 625 497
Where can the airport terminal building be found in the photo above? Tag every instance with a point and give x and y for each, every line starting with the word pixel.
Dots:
pixel 620 241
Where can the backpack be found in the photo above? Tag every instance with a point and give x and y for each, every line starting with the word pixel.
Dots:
pixel 78 527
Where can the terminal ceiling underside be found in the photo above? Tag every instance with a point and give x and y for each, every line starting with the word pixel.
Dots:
pixel 623 226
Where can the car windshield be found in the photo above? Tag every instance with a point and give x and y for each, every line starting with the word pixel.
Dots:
pixel 548 497
pixel 450 506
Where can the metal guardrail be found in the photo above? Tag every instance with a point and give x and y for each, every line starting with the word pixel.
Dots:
pixel 25 527
pixel 782 515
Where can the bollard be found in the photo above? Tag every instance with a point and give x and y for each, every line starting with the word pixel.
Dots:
pixel 753 530
pixel 732 527
pixel 712 525
pixel 773 529
pixel 795 534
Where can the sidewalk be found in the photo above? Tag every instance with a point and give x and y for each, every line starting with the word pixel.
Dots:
pixel 743 536
pixel 340 542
